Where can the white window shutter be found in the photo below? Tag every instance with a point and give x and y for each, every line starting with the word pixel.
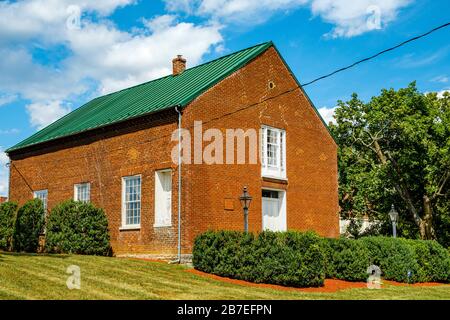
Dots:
pixel 282 146
pixel 163 198
pixel 264 147
pixel 168 194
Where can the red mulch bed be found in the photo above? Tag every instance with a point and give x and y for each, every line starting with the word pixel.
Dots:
pixel 330 285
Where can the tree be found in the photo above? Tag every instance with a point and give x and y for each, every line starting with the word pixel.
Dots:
pixel 395 149
pixel 8 211
pixel 77 227
pixel 29 225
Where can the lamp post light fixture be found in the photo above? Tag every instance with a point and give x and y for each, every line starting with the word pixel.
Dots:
pixel 393 215
pixel 245 199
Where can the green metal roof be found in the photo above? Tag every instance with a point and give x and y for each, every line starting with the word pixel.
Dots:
pixel 146 98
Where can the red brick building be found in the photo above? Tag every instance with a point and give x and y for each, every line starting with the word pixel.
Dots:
pixel 116 151
pixel 3 199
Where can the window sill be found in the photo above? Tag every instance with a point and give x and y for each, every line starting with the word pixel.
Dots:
pixel 130 228
pixel 275 179
pixel 162 225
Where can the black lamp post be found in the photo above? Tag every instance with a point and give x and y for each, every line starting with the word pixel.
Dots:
pixel 245 199
pixel 393 215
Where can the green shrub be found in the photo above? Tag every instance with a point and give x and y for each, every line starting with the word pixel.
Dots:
pixel 28 226
pixel 303 259
pixel 433 260
pixel 8 211
pixel 328 256
pixel 399 259
pixel 284 258
pixel 395 257
pixel 75 227
pixel 347 259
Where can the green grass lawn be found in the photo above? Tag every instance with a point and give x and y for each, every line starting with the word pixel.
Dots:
pixel 24 276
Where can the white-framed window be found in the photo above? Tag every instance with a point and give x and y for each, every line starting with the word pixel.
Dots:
pixel 43 196
pixel 273 152
pixel 163 198
pixel 131 202
pixel 82 192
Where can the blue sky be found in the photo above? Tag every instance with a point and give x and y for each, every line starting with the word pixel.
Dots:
pixel 56 55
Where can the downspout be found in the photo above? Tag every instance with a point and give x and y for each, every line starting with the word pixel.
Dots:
pixel 179 185
pixel 8 165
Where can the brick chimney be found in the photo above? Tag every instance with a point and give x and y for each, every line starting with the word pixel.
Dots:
pixel 179 65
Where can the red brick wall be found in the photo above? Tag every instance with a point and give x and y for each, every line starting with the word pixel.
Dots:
pixel 142 147
pixel 103 159
pixel 311 155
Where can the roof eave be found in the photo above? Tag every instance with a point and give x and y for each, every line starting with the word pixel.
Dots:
pixel 12 149
pixel 304 93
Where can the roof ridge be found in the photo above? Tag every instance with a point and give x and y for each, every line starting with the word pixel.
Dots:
pixel 199 65
pixel 232 53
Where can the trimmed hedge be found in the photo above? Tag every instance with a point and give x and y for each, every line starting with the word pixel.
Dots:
pixel 8 211
pixel 76 227
pixel 433 260
pixel 28 226
pixel 395 257
pixel 304 259
pixel 346 259
pixel 284 258
pixel 399 259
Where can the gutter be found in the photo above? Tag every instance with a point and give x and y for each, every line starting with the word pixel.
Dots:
pixel 178 260
pixel 8 165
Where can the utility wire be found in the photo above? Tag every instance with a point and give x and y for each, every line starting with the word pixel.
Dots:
pixel 293 89
pixel 192 126
pixel 378 54
pixel 25 180
pixel 245 107
pixel 21 175
pixel 313 81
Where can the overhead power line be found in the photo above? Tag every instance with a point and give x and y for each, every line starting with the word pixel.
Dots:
pixel 378 54
pixel 245 107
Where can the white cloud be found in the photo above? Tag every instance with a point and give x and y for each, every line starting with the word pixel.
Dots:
pixel 160 23
pixel 33 81
pixel 98 51
pixel 115 59
pixel 234 11
pixel 122 59
pixel 349 17
pixel 327 114
pixel 440 79
pixel 6 99
pixel 352 18
pixel 440 94
pixel 9 131
pixel 42 114
pixel 414 60
pixel 45 18
pixel 3 173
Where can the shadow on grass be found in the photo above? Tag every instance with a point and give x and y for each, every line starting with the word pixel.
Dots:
pixel 25 254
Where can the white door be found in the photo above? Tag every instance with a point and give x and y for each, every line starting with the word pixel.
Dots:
pixel 272 211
